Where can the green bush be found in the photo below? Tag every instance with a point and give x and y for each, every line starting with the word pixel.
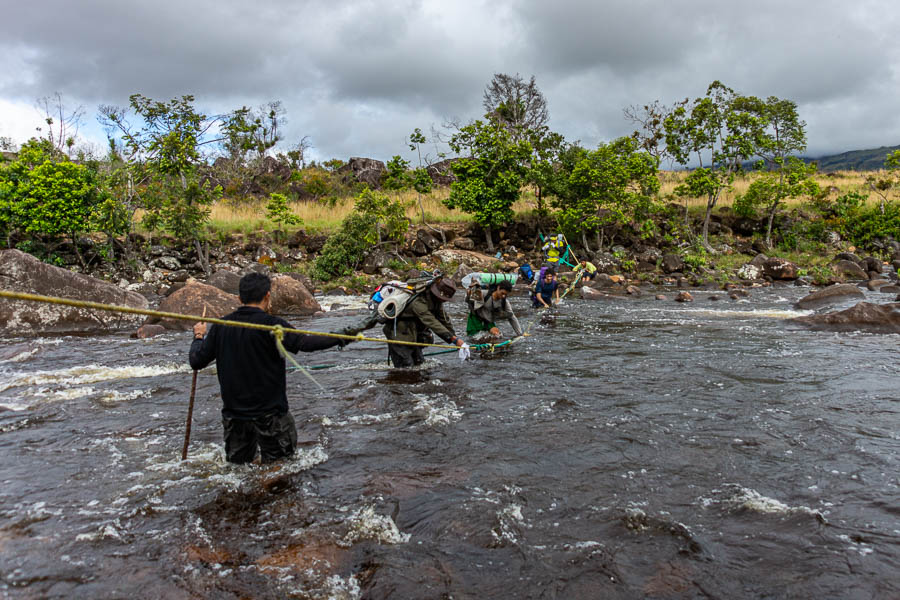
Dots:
pixel 375 219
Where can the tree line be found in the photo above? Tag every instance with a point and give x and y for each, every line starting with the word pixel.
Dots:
pixel 158 171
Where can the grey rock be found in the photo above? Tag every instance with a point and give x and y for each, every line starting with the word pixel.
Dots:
pixel 21 272
pixel 849 270
pixel 832 294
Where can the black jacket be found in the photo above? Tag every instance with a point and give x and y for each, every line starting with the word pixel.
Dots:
pixel 251 371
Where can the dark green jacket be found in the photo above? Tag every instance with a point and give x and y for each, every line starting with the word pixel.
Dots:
pixel 424 313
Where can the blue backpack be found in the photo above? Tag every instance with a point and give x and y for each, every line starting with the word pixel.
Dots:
pixel 527 272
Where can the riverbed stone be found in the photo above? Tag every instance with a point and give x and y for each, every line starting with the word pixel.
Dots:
pixel 475 260
pixel 225 280
pixel 192 299
pixel 146 331
pixel 848 269
pixel 876 284
pixel 750 272
pixel 832 294
pixel 588 293
pixel 672 263
pixel 781 269
pixel 21 272
pixel 290 297
pixel 864 316
pixel 684 297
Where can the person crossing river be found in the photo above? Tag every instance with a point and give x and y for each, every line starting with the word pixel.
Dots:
pixel 420 318
pixel 252 374
pixel 484 311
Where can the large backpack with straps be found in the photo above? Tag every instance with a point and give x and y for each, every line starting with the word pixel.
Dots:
pixel 390 299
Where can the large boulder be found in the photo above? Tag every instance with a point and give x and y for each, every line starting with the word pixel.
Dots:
pixel 364 170
pixel 672 263
pixel 833 294
pixel 21 272
pixel 225 280
pixel 193 299
pixel 781 269
pixel 847 269
pixel 475 260
pixel 865 316
pixel 290 297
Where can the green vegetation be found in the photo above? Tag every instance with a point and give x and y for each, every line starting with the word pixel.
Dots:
pixel 172 170
pixel 376 220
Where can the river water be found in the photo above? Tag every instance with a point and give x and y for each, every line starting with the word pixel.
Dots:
pixel 628 449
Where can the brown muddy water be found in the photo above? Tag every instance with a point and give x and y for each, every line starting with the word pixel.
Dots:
pixel 633 449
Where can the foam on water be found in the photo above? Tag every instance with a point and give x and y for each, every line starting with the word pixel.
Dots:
pixel 736 497
pixel 91 374
pixel 366 524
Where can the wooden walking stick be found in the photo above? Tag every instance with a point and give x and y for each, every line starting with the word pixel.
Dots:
pixel 187 427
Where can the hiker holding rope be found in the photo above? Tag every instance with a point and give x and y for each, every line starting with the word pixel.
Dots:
pixel 485 311
pixel 252 375
pixel 590 271
pixel 544 291
pixel 415 317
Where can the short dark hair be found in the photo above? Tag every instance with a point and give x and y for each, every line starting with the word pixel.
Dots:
pixel 504 285
pixel 253 287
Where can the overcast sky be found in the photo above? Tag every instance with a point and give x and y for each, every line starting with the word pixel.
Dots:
pixel 357 77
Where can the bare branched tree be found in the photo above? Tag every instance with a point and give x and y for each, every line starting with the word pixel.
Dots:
pixel 518 104
pixel 651 132
pixel 61 123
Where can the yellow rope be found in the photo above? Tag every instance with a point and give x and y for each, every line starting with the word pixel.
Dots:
pixel 179 316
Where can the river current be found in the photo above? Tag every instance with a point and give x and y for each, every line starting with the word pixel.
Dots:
pixel 633 448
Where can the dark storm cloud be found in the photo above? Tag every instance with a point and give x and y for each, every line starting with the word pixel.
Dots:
pixel 357 77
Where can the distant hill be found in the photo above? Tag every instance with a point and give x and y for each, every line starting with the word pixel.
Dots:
pixel 855 160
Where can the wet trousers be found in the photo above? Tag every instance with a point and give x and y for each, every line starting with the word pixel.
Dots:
pixel 275 435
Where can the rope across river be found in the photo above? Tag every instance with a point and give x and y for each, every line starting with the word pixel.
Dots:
pixel 277 331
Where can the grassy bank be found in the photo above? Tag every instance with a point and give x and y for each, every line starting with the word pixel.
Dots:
pixel 229 216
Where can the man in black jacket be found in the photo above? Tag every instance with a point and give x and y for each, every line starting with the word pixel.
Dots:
pixel 252 375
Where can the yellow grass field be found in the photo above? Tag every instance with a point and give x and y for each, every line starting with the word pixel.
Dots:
pixel 245 217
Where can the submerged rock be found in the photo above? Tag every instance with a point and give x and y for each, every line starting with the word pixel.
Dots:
pixel 833 294
pixel 21 272
pixel 865 316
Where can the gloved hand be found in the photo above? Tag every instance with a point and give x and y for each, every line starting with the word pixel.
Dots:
pixel 346 331
pixel 464 352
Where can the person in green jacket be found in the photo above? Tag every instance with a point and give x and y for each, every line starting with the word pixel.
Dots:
pixel 420 320
pixel 485 311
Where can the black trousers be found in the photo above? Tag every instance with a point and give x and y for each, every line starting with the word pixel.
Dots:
pixel 275 435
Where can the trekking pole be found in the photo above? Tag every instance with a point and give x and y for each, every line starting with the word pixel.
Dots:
pixel 187 427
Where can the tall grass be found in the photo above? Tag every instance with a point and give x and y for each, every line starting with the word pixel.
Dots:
pixel 232 216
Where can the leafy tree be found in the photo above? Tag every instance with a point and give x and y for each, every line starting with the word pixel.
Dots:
pixel 547 148
pixel 770 189
pixel 397 176
pixel 490 173
pixel 166 150
pixel 719 132
pixel 278 211
pixel 44 193
pixel 612 185
pixel 376 219
pixel 519 105
pixel 783 133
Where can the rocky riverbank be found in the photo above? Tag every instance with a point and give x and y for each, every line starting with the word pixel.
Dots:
pixel 162 274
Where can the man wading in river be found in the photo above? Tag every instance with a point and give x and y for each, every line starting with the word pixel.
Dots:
pixel 252 375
